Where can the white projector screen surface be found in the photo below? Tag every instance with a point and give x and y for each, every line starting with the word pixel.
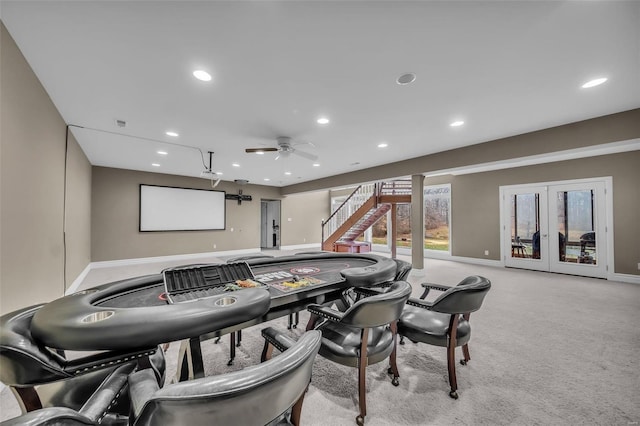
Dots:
pixel 163 208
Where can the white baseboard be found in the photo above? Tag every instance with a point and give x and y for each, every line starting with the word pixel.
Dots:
pixel 625 278
pixel 302 246
pixel 76 283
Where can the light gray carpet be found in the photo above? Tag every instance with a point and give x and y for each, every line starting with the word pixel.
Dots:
pixel 546 349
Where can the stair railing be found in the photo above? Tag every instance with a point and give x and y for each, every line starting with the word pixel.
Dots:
pixel 354 201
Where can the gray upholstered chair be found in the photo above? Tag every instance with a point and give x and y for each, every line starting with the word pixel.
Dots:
pixel 94 384
pixel 257 395
pixel 364 334
pixel 432 322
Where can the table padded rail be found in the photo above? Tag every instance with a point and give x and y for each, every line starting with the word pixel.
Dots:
pixel 195 282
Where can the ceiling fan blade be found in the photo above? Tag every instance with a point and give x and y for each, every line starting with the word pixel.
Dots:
pixel 252 150
pixel 305 155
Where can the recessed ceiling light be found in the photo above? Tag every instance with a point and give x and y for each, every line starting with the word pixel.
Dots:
pixel 287 173
pixel 457 123
pixel 162 152
pixel 593 83
pixel 170 133
pixel 260 152
pixel 236 165
pixel 316 164
pixel 202 75
pixel 383 145
pixel 322 120
pixel 155 165
pixel 405 79
pixel 267 179
pixel 219 173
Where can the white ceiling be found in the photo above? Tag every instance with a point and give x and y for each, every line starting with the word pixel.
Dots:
pixel 504 68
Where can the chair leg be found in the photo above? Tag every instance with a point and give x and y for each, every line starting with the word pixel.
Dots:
pixel 296 410
pixel 267 351
pixel 465 347
pixel 465 352
pixel 28 398
pixel 313 319
pixel 393 366
pixel 362 376
pixel 232 347
pixel 451 356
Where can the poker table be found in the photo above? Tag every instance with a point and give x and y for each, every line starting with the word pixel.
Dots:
pixel 198 302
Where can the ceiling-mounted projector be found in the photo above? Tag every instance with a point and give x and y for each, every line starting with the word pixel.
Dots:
pixel 208 174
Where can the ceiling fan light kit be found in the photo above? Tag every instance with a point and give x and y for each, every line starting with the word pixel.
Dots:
pixel 285 147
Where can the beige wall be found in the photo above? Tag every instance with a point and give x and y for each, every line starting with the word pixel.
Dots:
pixel 77 211
pixel 302 216
pixel 115 216
pixel 475 204
pixel 32 180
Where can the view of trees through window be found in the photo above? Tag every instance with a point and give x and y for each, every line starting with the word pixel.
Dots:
pixel 437 204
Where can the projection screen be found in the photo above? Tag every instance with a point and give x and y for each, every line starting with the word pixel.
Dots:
pixel 164 208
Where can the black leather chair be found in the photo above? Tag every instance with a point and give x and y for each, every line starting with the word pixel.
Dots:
pixel 94 384
pixel 402 269
pixel 432 322
pixel 257 395
pixel 364 334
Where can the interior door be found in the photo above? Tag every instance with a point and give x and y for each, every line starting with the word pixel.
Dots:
pixel 525 227
pixel 578 229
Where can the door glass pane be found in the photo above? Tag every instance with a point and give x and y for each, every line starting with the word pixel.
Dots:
pixel 525 225
pixel 576 227
pixel 437 201
pixel 403 221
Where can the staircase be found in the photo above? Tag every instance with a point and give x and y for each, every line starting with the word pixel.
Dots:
pixel 359 212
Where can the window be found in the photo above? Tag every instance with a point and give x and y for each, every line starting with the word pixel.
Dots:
pixel 437 217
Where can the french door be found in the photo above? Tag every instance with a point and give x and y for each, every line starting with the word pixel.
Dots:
pixel 556 227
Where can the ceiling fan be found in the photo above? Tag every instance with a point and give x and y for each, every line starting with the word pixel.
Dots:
pixel 284 149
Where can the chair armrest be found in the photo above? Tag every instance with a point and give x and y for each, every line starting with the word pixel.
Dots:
pixel 107 394
pixel 279 340
pixel 325 312
pixel 142 386
pixel 419 303
pixel 102 360
pixel 50 416
pixel 366 292
pixel 435 286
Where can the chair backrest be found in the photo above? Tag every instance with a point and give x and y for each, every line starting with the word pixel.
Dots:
pixel 255 395
pixel 466 297
pixel 380 309
pixel 402 270
pixel 24 361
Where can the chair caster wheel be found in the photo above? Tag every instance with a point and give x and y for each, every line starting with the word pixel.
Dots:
pixel 389 370
pixel 360 420
pixel 230 362
pixel 453 394
pixel 463 362
pixel 395 381
pixel 402 342
pixel 294 326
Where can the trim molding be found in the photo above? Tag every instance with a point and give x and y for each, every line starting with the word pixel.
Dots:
pixel 76 283
pixel 302 246
pixel 625 278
